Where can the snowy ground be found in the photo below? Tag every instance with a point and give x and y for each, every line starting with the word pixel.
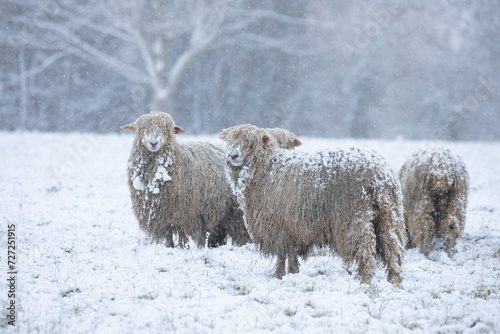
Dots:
pixel 84 265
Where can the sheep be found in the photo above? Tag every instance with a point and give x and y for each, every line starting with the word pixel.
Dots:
pixel 435 185
pixel 349 200
pixel 284 138
pixel 180 188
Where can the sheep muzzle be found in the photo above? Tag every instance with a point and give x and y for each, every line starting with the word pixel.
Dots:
pixel 235 157
pixel 153 142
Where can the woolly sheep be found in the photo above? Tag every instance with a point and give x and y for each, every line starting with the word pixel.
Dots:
pixel 284 138
pixel 349 200
pixel 435 185
pixel 180 188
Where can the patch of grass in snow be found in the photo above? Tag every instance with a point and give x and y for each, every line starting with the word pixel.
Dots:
pixel 408 322
pixel 241 289
pixel 426 266
pixel 452 320
pixel 429 268
pixel 263 301
pixel 309 288
pixel 375 311
pixel 77 309
pixel 449 289
pixel 289 312
pixel 321 272
pixel 320 314
pixel 371 290
pixel 412 325
pixel 147 296
pixel 434 294
pixel 66 293
pixel 188 295
pixel 167 322
pixel 433 256
pixel 484 292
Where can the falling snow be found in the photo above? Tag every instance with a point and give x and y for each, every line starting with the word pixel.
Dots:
pixel 85 266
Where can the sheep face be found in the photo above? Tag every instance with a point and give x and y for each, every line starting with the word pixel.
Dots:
pixel 235 156
pixel 243 141
pixel 153 141
pixel 289 143
pixel 154 130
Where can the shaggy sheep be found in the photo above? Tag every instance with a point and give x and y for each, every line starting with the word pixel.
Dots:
pixel 435 185
pixel 180 188
pixel 349 200
pixel 284 138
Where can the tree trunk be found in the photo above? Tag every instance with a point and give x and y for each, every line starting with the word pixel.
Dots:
pixel 23 93
pixel 161 99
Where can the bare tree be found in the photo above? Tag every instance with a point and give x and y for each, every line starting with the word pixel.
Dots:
pixel 377 69
pixel 149 42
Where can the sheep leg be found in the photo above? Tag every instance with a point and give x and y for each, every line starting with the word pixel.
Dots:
pixel 293 262
pixel 212 240
pixel 451 225
pixel 392 254
pixel 280 266
pixel 169 240
pixel 182 239
pixel 421 227
pixel 365 254
pixel 448 229
pixel 217 237
pixel 390 237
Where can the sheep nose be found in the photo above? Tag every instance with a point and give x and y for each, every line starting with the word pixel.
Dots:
pixel 233 156
pixel 153 143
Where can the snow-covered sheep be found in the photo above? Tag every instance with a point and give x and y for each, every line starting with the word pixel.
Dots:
pixel 281 137
pixel 435 184
pixel 284 138
pixel 180 188
pixel 349 200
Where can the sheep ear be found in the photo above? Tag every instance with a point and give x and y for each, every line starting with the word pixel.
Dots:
pixel 178 130
pixel 130 127
pixel 296 142
pixel 266 140
pixel 223 135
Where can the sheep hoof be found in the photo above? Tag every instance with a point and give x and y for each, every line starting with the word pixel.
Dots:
pixel 183 240
pixel 394 278
pixel 396 281
pixel 293 265
pixel 279 274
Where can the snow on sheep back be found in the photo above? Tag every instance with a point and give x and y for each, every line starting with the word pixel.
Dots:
pixel 435 185
pixel 349 200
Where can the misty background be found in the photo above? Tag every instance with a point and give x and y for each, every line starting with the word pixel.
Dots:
pixel 368 69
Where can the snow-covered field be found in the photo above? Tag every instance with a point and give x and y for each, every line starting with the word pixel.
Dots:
pixel 84 266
